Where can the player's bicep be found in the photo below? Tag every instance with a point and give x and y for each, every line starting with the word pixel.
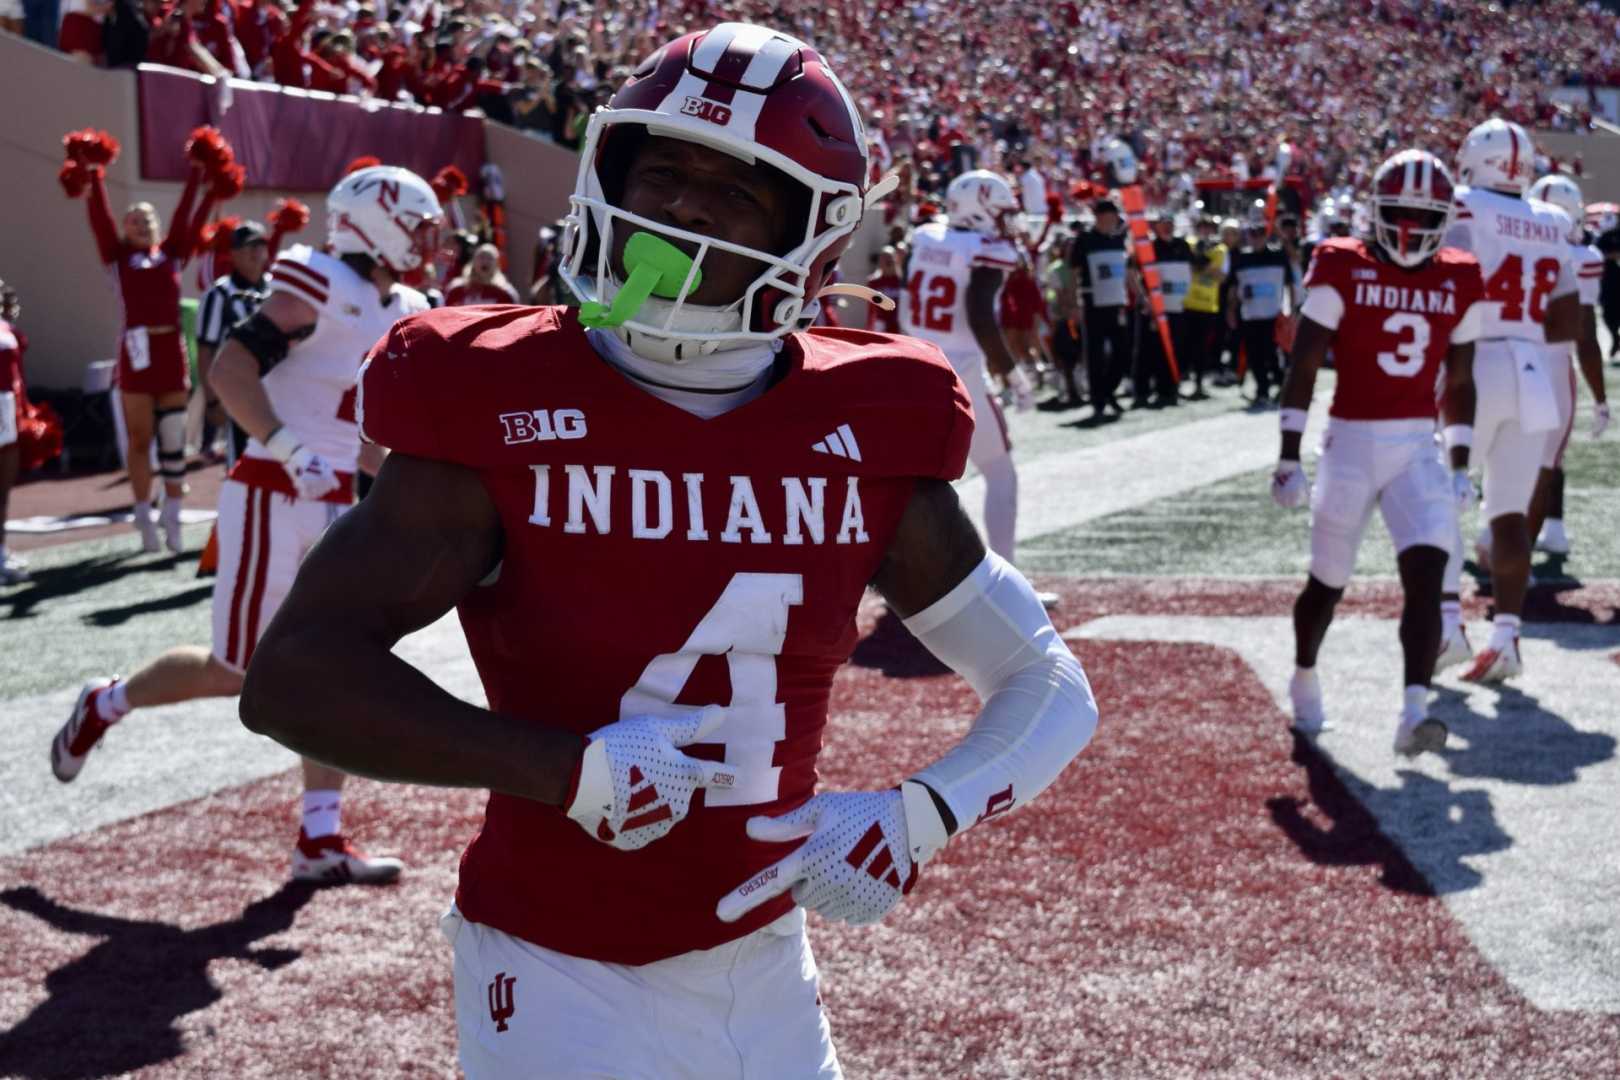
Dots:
pixel 288 312
pixel 983 284
pixel 935 547
pixel 422 539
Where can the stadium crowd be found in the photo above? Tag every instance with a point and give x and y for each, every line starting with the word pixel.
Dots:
pixel 1206 86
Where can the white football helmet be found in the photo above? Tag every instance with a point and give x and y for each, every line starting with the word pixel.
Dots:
pixel 1565 194
pixel 1498 155
pixel 1120 159
pixel 387 213
pixel 984 202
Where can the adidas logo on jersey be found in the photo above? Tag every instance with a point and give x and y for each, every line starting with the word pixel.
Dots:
pixel 840 443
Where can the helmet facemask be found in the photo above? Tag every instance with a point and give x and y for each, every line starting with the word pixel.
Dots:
pixel 777 300
pixel 1410 230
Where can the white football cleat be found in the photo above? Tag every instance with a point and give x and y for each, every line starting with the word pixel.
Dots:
pixel 1416 734
pixel 81 733
pixel 1454 650
pixel 13 571
pixel 333 860
pixel 1553 539
pixel 1306 695
pixel 1495 665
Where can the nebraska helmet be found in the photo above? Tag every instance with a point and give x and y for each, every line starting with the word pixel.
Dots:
pixel 1120 161
pixel 760 96
pixel 1498 155
pixel 387 213
pixel 1565 194
pixel 982 201
pixel 1411 206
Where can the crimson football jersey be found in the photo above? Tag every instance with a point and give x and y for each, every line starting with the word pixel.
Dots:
pixel 654 560
pixel 1392 326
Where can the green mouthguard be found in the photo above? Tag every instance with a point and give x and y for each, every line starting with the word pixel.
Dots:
pixel 656 268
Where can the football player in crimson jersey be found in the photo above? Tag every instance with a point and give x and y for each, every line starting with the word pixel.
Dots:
pixel 700 459
pixel 286 376
pixel 1394 311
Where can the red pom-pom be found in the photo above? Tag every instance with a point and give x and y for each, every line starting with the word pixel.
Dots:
pixel 74 179
pixel 228 182
pixel 449 182
pixel 208 148
pixel 289 216
pixel 366 162
pixel 90 147
pixel 216 235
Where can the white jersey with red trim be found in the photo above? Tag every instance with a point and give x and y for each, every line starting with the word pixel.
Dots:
pixel 1588 262
pixel 934 306
pixel 1524 252
pixel 312 391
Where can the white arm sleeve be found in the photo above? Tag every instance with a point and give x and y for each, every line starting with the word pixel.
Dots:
pixel 1038 710
pixel 1323 305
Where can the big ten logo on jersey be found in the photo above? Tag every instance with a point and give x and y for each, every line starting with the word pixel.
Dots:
pixel 542 425
pixel 712 111
pixel 931 301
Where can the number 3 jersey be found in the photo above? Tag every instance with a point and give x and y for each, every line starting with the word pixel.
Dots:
pixel 937 274
pixel 656 561
pixel 1392 326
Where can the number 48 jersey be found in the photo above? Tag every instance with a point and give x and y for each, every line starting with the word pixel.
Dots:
pixel 1523 250
pixel 942 261
pixel 1392 326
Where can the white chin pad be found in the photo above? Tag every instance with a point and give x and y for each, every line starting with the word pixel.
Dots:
pixel 1038 708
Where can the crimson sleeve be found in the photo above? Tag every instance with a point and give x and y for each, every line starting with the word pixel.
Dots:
pixel 958 433
pixel 397 388
pixel 102 224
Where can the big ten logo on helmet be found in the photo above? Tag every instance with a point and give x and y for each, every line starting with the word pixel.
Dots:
pixel 712 111
pixel 542 425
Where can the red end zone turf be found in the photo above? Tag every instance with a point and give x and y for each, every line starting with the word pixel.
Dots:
pixel 1197 896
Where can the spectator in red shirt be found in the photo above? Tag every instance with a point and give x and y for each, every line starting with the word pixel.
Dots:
pixel 258 24
pixel 80 36
pixel 482 282
pixel 340 72
pixel 886 280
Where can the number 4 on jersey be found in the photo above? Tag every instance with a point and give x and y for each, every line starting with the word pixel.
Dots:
pixel 747 626
pixel 1507 287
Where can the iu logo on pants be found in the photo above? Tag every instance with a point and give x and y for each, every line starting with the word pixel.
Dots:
pixel 502 1001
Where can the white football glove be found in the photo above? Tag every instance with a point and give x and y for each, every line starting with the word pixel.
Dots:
pixel 1290 487
pixel 1600 419
pixel 855 865
pixel 312 475
pixel 1462 489
pixel 634 785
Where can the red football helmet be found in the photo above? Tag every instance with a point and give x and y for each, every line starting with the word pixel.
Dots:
pixel 1412 207
pixel 760 96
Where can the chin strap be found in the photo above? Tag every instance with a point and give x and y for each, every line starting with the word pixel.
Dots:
pixel 860 292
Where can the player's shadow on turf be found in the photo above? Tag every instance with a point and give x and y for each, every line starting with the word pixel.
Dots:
pixel 51 583
pixel 113 1010
pixel 1352 836
pixel 891 649
pixel 1522 744
pixel 118 616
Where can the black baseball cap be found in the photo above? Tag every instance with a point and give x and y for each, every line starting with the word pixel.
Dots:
pixel 1104 206
pixel 249 232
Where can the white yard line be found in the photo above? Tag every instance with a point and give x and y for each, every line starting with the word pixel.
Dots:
pixel 1514 825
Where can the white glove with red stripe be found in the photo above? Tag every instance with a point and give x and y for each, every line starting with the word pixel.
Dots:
pixel 858 860
pixel 634 785
pixel 1290 487
pixel 311 474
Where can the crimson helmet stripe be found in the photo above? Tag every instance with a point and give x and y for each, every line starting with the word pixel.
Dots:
pixel 1513 162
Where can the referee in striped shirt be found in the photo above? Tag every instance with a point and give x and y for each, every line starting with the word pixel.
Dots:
pixel 227 302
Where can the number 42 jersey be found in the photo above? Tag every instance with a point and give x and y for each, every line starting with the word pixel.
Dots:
pixel 654 561
pixel 1392 326
pixel 941 264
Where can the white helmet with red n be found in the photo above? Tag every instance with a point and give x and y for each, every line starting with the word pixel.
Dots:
pixel 1565 194
pixel 387 213
pixel 984 202
pixel 1498 155
pixel 760 96
pixel 1411 206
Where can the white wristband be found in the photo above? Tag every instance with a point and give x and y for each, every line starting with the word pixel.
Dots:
pixel 1456 435
pixel 282 444
pixel 1292 420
